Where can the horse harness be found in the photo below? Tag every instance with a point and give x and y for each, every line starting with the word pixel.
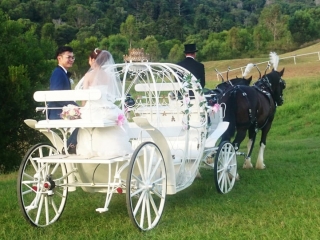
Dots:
pixel 263 86
pixel 260 87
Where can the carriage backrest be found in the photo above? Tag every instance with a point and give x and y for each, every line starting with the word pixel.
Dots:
pixel 67 95
pixel 144 87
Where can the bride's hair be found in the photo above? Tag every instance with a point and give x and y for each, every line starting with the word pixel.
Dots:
pixel 108 76
pixel 104 58
pixel 94 54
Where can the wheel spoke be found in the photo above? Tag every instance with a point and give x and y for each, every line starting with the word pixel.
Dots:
pixel 155 168
pixel 46 209
pixel 39 209
pixel 136 192
pixel 34 164
pixel 156 192
pixel 156 181
pixel 228 183
pixel 140 169
pixel 143 207
pixel 138 204
pixel 222 179
pixel 26 175
pixel 230 158
pixel 149 163
pixel 221 174
pixel 148 209
pixel 27 191
pixel 54 206
pixel 59 194
pixel 137 179
pixel 153 204
pixel 55 168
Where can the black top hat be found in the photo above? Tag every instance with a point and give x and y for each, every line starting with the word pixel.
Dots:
pixel 190 48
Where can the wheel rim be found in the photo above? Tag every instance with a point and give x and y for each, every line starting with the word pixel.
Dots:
pixel 225 168
pixel 42 190
pixel 147 185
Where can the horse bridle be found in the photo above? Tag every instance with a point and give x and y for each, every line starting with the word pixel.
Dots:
pixel 264 84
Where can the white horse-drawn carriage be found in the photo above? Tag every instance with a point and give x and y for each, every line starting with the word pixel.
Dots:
pixel 172 131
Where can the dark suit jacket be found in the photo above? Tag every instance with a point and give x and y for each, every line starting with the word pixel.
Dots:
pixel 196 68
pixel 58 81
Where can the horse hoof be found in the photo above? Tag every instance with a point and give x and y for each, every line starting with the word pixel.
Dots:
pixel 247 165
pixel 261 167
pixel 237 177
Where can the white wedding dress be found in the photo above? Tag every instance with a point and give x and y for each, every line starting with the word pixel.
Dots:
pixel 106 142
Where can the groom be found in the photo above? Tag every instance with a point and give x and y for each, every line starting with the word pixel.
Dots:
pixel 59 80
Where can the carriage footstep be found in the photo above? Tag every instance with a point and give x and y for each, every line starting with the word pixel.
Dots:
pixel 102 210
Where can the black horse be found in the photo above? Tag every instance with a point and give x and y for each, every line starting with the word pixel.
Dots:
pixel 252 108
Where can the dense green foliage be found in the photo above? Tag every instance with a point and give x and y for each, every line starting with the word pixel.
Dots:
pixel 222 29
pixel 31 30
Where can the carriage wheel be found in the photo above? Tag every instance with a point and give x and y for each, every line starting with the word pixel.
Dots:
pixel 146 186
pixel 41 187
pixel 225 167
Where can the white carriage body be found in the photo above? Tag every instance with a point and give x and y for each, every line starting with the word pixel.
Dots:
pixel 164 113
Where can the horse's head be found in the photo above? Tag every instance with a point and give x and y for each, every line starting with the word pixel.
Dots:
pixel 276 85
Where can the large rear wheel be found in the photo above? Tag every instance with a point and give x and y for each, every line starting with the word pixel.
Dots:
pixel 41 187
pixel 146 186
pixel 225 167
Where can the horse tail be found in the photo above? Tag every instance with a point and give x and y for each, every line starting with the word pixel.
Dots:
pixel 230 113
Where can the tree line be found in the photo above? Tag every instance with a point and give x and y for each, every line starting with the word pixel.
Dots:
pixel 30 32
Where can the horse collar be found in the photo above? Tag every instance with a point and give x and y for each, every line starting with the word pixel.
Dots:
pixel 266 80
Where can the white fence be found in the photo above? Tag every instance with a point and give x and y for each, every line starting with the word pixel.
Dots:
pixel 267 62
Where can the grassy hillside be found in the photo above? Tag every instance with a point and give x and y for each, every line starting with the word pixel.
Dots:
pixel 306 66
pixel 280 202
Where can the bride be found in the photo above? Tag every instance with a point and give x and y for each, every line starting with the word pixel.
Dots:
pixel 106 142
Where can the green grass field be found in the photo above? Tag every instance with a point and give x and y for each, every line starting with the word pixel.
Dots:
pixel 280 202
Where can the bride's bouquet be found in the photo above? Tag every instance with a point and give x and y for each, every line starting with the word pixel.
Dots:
pixel 70 112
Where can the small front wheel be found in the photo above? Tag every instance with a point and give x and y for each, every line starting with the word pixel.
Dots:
pixel 146 186
pixel 225 167
pixel 41 187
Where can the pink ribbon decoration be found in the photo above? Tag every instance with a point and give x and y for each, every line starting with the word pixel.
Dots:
pixel 121 119
pixel 186 100
pixel 216 107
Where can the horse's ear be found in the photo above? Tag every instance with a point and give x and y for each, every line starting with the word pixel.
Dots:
pixel 281 72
